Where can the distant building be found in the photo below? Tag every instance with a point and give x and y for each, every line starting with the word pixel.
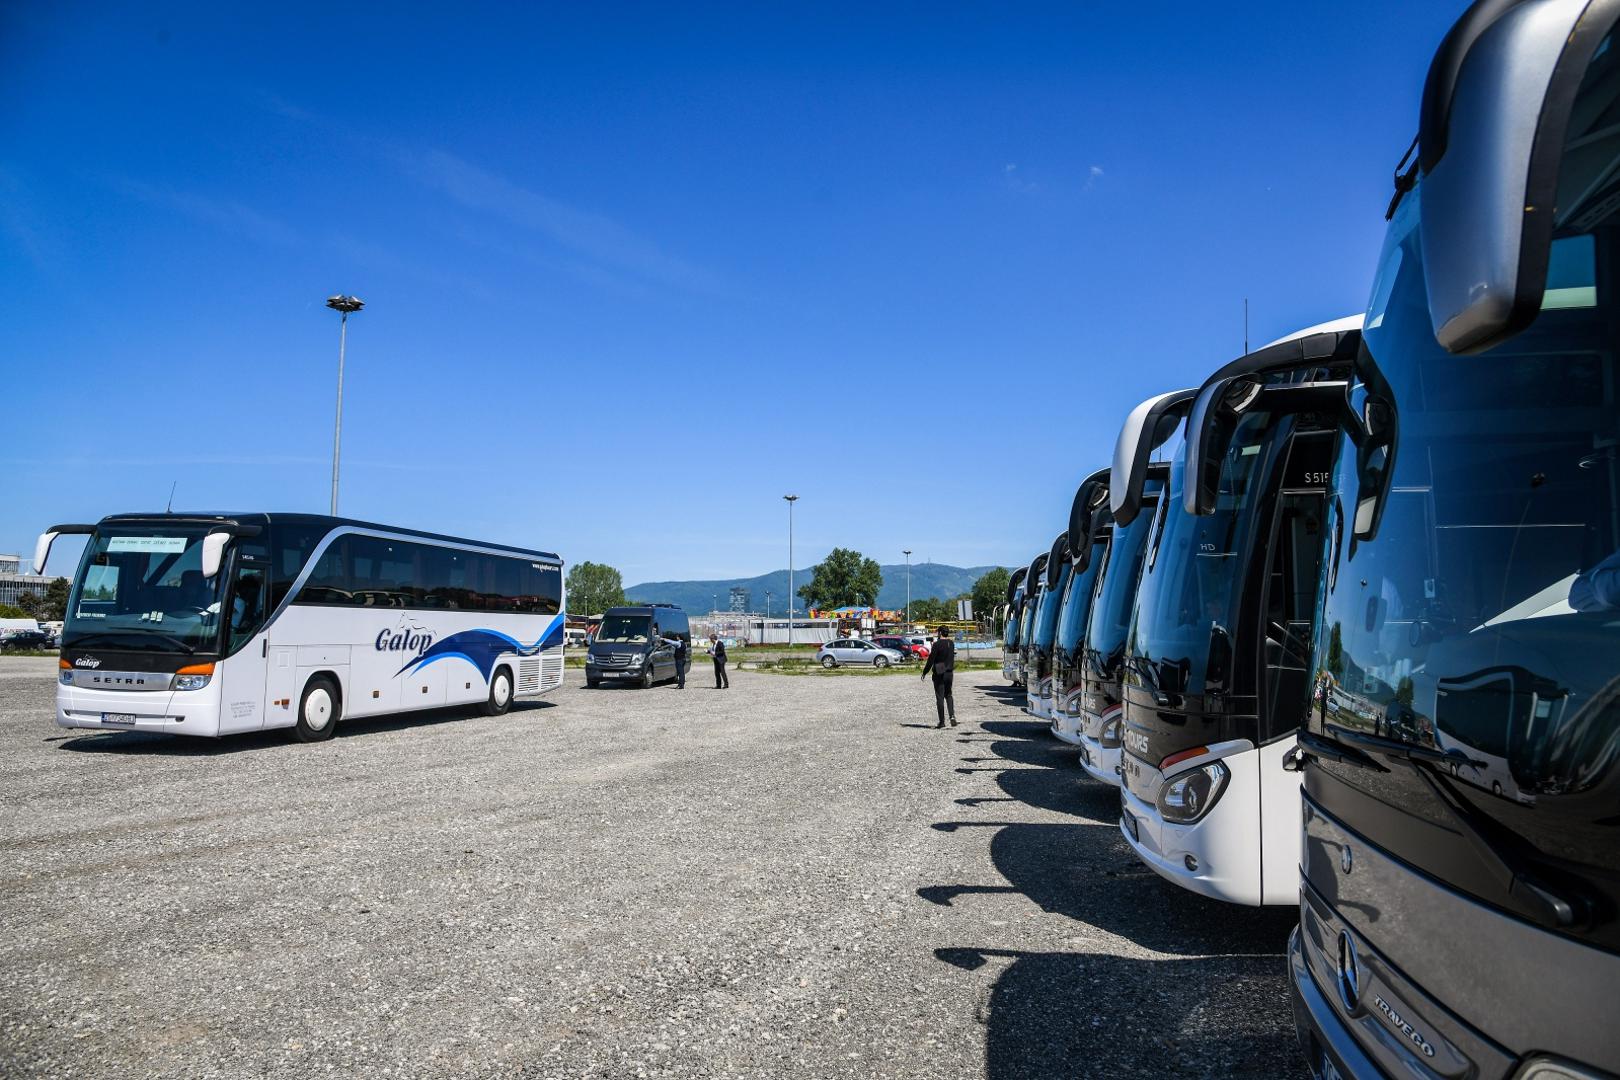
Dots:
pixel 14 583
pixel 741 600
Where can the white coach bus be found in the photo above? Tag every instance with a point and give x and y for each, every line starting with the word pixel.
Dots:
pixel 212 624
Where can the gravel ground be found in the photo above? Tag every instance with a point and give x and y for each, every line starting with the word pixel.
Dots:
pixel 795 877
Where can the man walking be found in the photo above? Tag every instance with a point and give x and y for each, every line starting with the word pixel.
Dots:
pixel 942 662
pixel 681 654
pixel 717 649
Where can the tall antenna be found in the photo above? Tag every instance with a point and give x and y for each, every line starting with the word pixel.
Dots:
pixel 1245 326
pixel 170 508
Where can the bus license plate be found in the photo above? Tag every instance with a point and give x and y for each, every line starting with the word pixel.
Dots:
pixel 1329 1071
pixel 117 718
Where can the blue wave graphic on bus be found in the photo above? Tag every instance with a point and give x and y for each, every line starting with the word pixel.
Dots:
pixel 481 648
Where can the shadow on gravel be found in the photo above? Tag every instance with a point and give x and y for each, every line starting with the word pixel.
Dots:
pixel 1067 1014
pixel 146 742
pixel 1220 1007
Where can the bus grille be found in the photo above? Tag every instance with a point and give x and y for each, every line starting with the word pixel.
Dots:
pixel 528 676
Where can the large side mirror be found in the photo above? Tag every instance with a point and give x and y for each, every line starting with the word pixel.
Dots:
pixel 1491 138
pixel 1014 581
pixel 1240 385
pixel 1148 427
pixel 1087 514
pixel 42 547
pixel 1057 560
pixel 213 552
pixel 42 550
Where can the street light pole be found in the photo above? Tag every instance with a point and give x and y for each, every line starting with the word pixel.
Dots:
pixel 908 588
pixel 791 499
pixel 346 305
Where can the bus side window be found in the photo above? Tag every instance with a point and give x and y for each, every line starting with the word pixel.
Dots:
pixel 247 609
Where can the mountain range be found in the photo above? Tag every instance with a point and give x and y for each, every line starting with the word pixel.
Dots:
pixel 927 579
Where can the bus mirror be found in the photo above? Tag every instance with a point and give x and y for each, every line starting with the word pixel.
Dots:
pixel 1148 427
pixel 213 552
pixel 1491 139
pixel 42 550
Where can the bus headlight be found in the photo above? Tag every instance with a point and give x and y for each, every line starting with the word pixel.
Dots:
pixel 1109 738
pixel 1189 796
pixel 65 677
pixel 193 677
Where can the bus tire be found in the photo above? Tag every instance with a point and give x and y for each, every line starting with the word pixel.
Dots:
pixel 500 693
pixel 318 711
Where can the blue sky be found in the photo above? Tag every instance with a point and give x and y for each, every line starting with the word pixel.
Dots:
pixel 634 272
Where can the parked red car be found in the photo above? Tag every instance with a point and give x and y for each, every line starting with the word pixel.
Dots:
pixel 910 646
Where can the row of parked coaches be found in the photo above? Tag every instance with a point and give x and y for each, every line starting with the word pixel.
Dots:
pixel 1342 623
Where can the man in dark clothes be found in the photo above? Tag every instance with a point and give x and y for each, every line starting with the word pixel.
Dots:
pixel 942 662
pixel 717 649
pixel 680 663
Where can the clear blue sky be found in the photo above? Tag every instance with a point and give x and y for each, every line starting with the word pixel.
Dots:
pixel 915 267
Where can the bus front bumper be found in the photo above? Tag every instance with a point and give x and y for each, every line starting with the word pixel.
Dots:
pixel 1216 856
pixel 1100 763
pixel 173 712
pixel 1039 701
pixel 1329 1048
pixel 1067 727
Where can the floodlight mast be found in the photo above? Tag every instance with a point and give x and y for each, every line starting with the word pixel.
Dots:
pixel 346 305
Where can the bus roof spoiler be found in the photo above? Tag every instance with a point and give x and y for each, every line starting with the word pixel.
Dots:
pixel 1088 514
pixel 1148 427
pixel 1057 559
pixel 1236 386
pixel 42 547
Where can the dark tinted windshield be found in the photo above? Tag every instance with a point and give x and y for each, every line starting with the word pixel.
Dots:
pixel 1010 632
pixel 1485 615
pixel 1193 578
pixel 1047 614
pixel 1077 600
pixel 1025 634
pixel 1110 617
pixel 142 588
pixel 625 630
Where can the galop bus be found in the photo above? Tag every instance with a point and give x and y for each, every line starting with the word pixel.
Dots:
pixel 1135 485
pixel 1090 520
pixel 1039 694
pixel 1011 665
pixel 211 624
pixel 1460 871
pixel 1217 662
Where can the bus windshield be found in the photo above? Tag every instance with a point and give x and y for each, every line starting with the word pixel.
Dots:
pixel 1046 617
pixel 1077 602
pixel 1110 615
pixel 625 630
pixel 1186 606
pixel 1484 616
pixel 141 588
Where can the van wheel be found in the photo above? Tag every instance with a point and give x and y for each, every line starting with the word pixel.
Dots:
pixel 881 662
pixel 318 711
pixel 828 662
pixel 500 693
pixel 647 677
pixel 594 684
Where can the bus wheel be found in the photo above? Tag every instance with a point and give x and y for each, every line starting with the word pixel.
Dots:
pixel 500 693
pixel 318 711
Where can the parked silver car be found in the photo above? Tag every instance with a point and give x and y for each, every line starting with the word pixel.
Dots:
pixel 856 651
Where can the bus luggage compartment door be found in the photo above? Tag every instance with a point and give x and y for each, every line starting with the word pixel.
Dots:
pixel 281 688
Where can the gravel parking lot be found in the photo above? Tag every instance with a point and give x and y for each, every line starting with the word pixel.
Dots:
pixel 795 877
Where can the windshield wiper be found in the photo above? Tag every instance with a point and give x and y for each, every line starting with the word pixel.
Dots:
pixel 1314 746
pixel 178 643
pixel 1383 744
pixel 1551 907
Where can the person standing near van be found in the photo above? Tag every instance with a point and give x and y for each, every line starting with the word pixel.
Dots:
pixel 717 649
pixel 942 662
pixel 681 653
